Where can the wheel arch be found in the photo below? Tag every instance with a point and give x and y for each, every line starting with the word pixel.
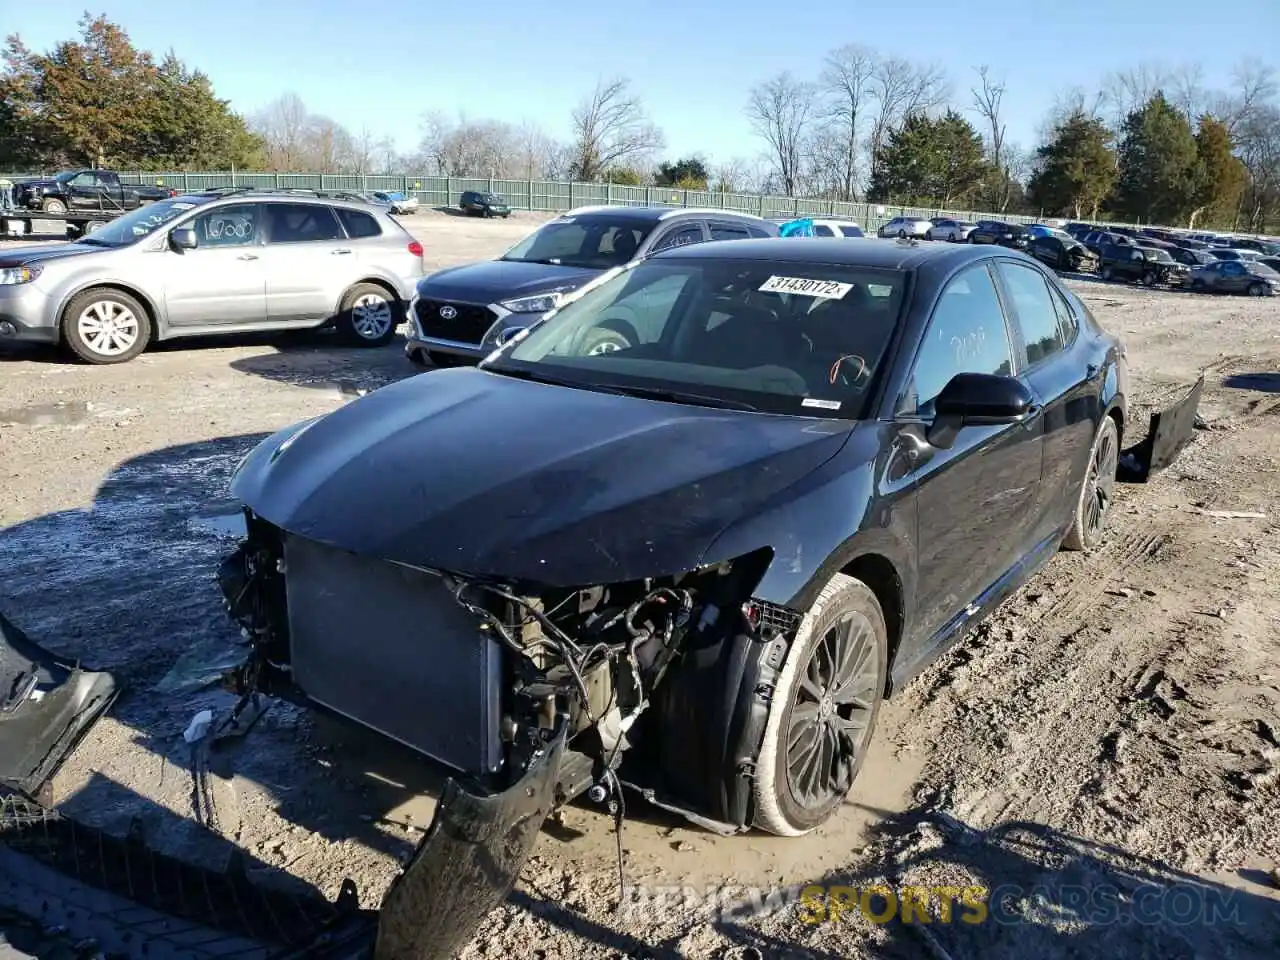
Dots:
pixel 882 578
pixel 374 280
pixel 153 312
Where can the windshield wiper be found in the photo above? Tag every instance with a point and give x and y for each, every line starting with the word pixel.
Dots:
pixel 546 261
pixel 653 393
pixel 679 396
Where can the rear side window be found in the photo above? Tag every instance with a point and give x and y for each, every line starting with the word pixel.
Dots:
pixel 822 230
pixel 358 224
pixel 851 231
pixel 302 223
pixel 1034 305
pixel 728 231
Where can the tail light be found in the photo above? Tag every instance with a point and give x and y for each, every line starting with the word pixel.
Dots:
pixel 415 248
pixel 173 192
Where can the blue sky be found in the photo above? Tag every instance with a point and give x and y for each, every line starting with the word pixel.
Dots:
pixel 387 62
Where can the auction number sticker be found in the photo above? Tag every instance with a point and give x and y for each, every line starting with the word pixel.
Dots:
pixel 806 287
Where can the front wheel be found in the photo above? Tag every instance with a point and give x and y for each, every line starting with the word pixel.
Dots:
pixel 368 316
pixel 823 711
pixel 1096 492
pixel 1107 273
pixel 1197 286
pixel 105 326
pixel 1257 289
pixel 1148 279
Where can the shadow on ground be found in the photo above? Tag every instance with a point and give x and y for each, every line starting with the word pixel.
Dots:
pixel 1261 382
pixel 350 370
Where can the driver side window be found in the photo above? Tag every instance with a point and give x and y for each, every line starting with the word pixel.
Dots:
pixel 966 334
pixel 230 226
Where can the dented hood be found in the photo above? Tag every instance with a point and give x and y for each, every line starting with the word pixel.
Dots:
pixel 475 472
pixel 46 704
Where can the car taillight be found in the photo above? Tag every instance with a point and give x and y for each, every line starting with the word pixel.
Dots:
pixel 415 248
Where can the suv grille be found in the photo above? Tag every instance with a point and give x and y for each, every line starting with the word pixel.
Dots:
pixel 469 325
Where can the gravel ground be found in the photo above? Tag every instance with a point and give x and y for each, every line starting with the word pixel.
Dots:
pixel 1115 727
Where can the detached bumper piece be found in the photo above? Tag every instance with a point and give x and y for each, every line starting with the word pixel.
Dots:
pixel 46 705
pixel 1171 430
pixel 467 863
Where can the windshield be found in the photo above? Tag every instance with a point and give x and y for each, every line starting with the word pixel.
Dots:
pixel 1160 256
pixel 138 224
pixel 65 175
pixel 596 242
pixel 781 337
pixel 1262 270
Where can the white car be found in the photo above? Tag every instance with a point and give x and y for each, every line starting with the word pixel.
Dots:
pixel 837 228
pixel 953 231
pixel 905 227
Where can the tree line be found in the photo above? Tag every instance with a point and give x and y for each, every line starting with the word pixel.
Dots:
pixel 1150 143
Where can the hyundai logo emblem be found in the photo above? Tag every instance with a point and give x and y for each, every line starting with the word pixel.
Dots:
pixel 448 312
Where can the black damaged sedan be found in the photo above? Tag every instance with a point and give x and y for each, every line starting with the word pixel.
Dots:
pixel 691 557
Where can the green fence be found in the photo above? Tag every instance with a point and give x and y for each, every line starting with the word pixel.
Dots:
pixel 558 196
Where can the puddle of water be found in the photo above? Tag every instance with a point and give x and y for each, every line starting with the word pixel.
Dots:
pixel 47 414
pixel 227 525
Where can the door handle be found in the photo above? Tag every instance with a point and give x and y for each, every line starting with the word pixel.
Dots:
pixel 340 252
pixel 247 256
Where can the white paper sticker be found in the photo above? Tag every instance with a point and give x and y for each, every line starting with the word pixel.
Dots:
pixel 806 287
pixel 820 404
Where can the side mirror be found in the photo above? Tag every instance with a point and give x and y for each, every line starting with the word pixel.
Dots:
pixel 507 334
pixel 978 399
pixel 182 238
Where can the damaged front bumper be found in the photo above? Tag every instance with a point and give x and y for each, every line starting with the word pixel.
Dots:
pixel 131 900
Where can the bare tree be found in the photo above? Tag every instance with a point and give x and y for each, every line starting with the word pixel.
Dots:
pixel 610 128
pixel 1187 92
pixel 1127 90
pixel 282 124
pixel 988 97
pixel 898 88
pixel 731 176
pixel 846 77
pixel 534 149
pixel 780 111
pixel 369 150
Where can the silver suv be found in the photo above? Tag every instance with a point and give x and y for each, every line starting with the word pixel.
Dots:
pixel 219 262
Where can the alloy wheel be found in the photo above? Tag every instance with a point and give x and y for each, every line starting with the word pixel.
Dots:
pixel 371 316
pixel 108 328
pixel 830 718
pixel 1102 481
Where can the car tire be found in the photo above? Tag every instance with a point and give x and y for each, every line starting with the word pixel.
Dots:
pixel 928 234
pixel 609 336
pixel 1094 502
pixel 1198 286
pixel 104 326
pixel 93 225
pixel 1107 273
pixel 368 316
pixel 1257 290
pixel 902 234
pixel 53 205
pixel 819 664
pixel 1148 279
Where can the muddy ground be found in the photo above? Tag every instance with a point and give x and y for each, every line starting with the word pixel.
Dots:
pixel 1114 729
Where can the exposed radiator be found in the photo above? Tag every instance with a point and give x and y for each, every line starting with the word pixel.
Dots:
pixel 389 648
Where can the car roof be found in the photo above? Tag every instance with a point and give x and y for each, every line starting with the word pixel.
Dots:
pixel 259 196
pixel 868 252
pixel 657 213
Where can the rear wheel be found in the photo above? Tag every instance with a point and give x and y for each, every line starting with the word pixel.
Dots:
pixel 53 205
pixel 368 316
pixel 902 234
pixel 1257 289
pixel 1096 492
pixel 824 710
pixel 1148 279
pixel 105 326
pixel 93 225
pixel 610 336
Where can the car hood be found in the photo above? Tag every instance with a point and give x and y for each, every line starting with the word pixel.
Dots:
pixel 479 473
pixel 29 255
pixel 491 281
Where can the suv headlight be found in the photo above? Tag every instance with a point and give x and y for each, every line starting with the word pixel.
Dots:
pixel 12 275
pixel 540 303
